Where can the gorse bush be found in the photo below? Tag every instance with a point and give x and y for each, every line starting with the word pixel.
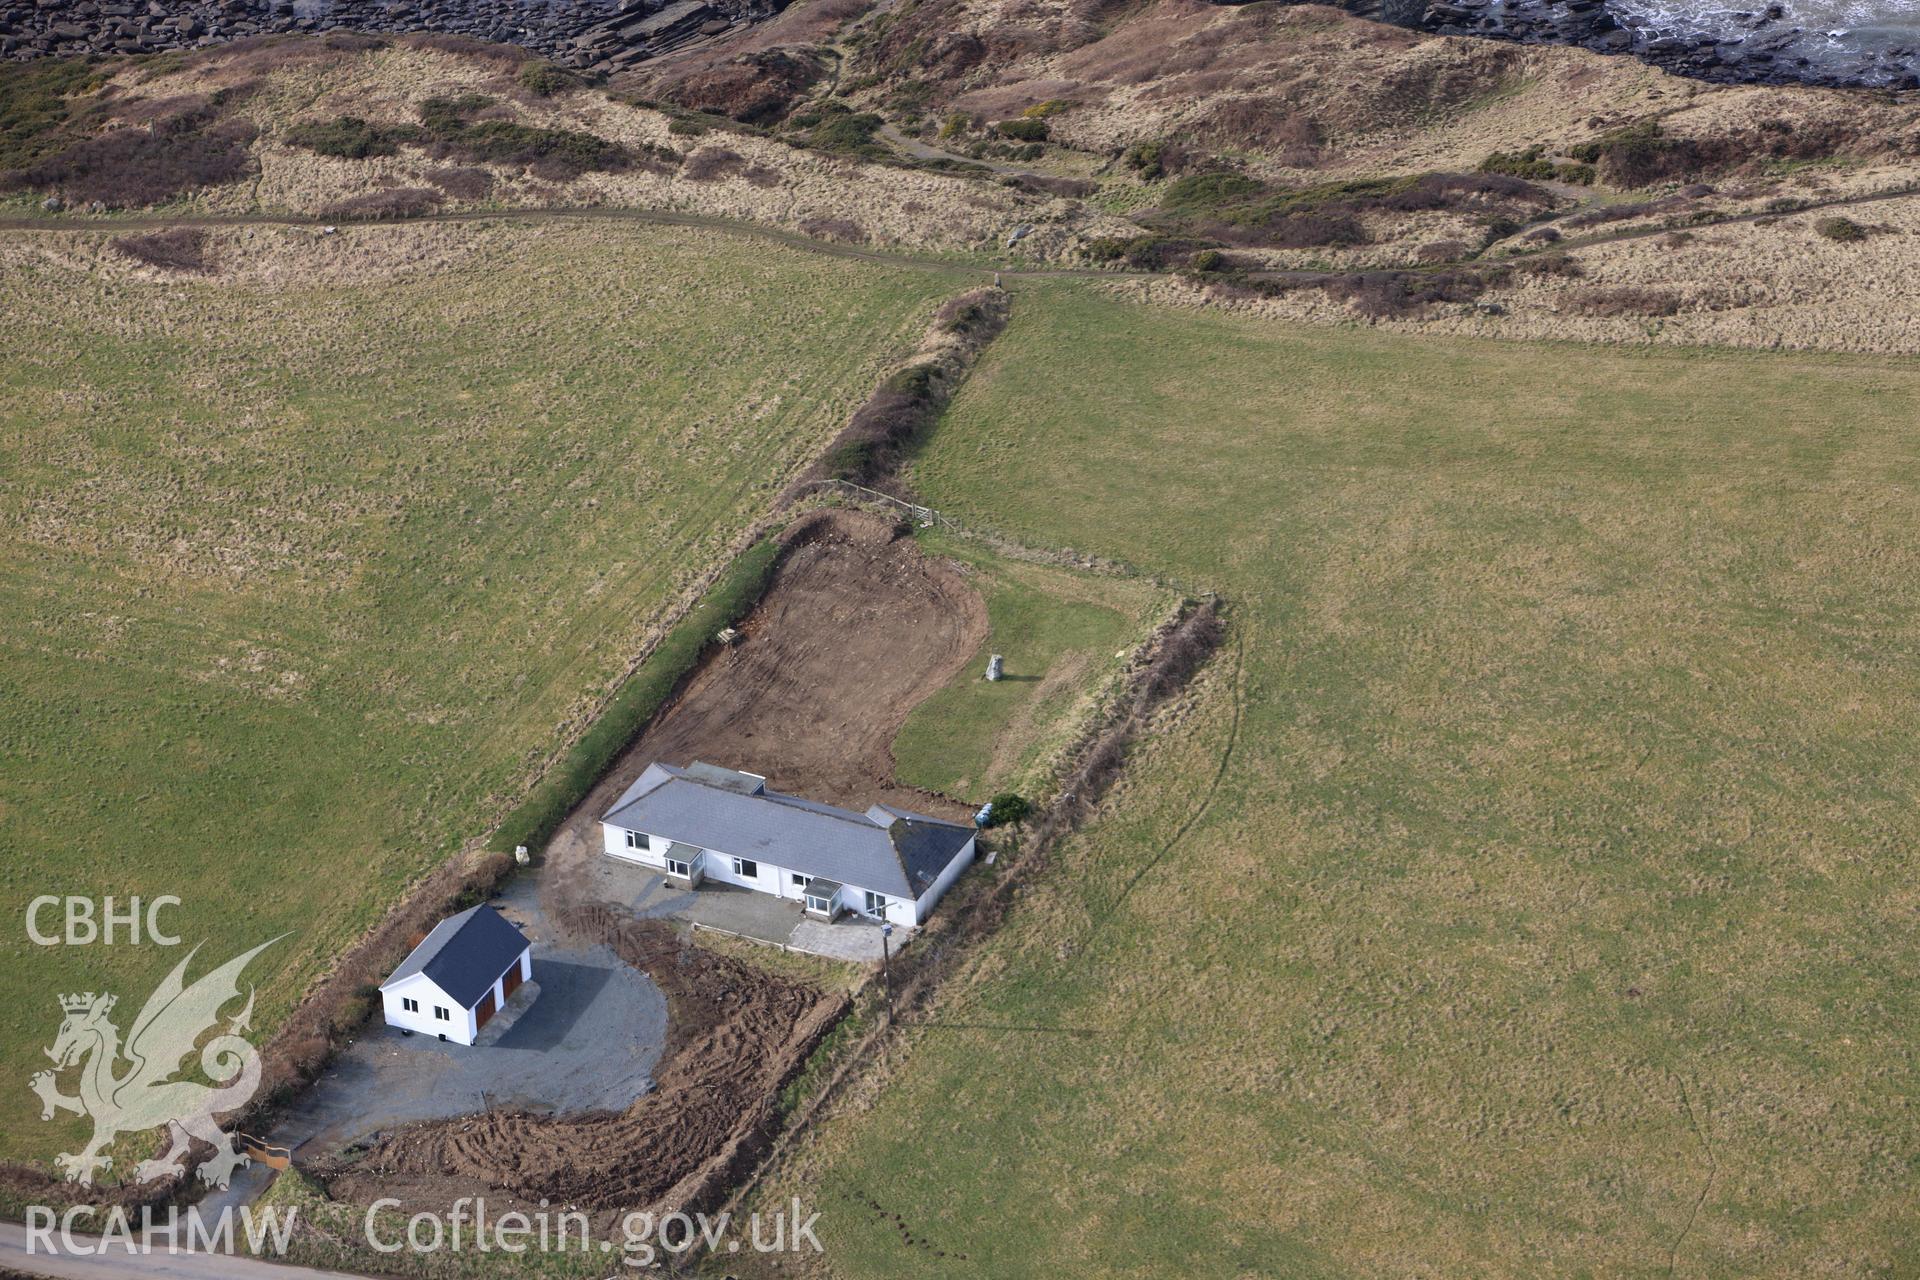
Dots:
pixel 1639 155
pixel 448 129
pixel 177 249
pixel 1532 164
pixel 37 100
pixel 350 138
pixel 543 79
pixel 448 115
pixel 1211 193
pixel 1238 209
pixel 1159 158
pixel 550 152
pixel 1008 808
pixel 851 460
pixel 555 154
pixel 964 315
pixel 1143 253
pixel 191 149
pixel 836 127
pixel 1844 230
pixel 1025 129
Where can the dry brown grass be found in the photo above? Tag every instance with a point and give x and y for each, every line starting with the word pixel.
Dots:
pixel 1770 283
pixel 383 81
pixel 1303 93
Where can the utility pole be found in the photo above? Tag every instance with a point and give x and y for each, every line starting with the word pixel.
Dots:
pixel 886 978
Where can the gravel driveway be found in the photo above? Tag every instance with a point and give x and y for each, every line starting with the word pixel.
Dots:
pixel 583 1035
pixel 586 1041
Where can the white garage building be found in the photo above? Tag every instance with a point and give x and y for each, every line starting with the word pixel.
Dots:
pixel 459 976
pixel 707 823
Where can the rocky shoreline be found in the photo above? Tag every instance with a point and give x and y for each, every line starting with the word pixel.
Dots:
pixel 595 35
pixel 1763 46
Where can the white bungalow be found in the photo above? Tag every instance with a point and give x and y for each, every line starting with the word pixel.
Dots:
pixel 707 823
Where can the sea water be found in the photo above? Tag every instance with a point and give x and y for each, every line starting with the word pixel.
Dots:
pixel 1830 33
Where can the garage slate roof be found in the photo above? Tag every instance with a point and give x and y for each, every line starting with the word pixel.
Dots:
pixel 886 850
pixel 464 954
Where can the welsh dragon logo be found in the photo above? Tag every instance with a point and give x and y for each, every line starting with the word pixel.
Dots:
pixel 144 1092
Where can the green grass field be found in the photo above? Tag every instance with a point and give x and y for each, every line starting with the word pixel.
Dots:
pixel 1063 635
pixel 300 583
pixel 1554 912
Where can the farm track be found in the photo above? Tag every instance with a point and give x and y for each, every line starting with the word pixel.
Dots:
pixel 886 257
pixel 1642 233
pixel 650 217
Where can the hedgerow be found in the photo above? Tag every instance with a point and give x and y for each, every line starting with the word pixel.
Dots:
pixel 738 589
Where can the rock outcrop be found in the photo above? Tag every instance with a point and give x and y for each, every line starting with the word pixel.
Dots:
pixel 592 35
pixel 1762 45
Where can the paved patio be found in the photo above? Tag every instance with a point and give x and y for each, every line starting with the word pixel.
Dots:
pixel 742 911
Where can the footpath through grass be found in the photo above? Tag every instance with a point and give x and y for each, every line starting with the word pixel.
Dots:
pixel 301 580
pixel 1556 911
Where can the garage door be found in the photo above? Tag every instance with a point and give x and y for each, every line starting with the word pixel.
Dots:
pixel 484 1012
pixel 511 982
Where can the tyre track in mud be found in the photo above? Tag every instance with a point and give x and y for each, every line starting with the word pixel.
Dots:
pixel 737 1035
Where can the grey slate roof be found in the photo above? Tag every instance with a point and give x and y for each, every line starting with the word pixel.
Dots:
pixel 887 850
pixel 926 845
pixel 464 954
pixel 747 784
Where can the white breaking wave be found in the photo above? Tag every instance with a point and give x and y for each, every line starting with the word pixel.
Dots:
pixel 1823 20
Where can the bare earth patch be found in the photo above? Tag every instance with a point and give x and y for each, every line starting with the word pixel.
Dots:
pixel 857 628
